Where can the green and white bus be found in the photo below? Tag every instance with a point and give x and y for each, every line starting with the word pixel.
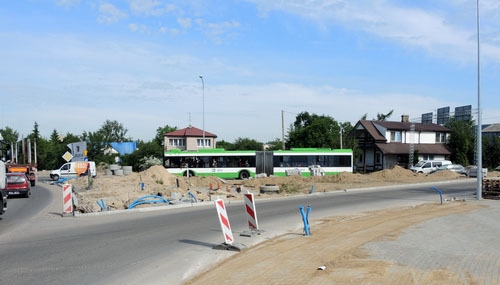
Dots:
pixel 247 163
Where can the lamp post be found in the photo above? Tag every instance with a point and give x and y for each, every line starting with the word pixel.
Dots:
pixel 341 131
pixel 203 100
pixel 479 117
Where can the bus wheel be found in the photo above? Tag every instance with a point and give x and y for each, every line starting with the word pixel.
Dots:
pixel 244 175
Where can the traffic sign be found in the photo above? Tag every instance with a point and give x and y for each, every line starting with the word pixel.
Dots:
pixel 67 156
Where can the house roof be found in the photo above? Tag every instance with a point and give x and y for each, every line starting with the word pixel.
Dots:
pixel 493 128
pixel 190 132
pixel 402 148
pixel 372 127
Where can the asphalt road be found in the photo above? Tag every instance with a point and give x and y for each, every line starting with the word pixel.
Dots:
pixel 168 245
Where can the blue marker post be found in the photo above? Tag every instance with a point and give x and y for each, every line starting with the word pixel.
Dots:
pixel 439 192
pixel 305 219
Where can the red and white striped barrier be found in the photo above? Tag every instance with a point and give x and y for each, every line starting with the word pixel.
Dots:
pixel 224 222
pixel 67 199
pixel 251 212
pixel 253 224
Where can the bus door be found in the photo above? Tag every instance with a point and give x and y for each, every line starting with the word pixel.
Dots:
pixel 264 162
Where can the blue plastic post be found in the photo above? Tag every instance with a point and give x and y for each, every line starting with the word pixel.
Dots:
pixel 312 190
pixel 305 220
pixel 193 197
pixel 439 192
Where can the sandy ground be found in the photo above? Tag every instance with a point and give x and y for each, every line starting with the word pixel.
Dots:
pixel 335 243
pixel 119 192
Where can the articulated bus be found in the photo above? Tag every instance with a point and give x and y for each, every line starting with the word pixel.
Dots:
pixel 247 163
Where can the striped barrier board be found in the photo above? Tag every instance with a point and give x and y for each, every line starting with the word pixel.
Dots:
pixel 250 210
pixel 224 221
pixel 67 199
pixel 251 213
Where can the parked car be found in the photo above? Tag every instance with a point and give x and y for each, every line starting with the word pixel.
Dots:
pixel 452 167
pixel 427 166
pixel 472 171
pixel 17 185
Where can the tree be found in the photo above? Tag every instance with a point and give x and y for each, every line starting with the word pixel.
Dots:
pixel 112 131
pixel 461 140
pixel 276 144
pixel 96 145
pixel 225 145
pixel 9 135
pixel 161 131
pixel 384 117
pixel 99 141
pixel 491 147
pixel 247 144
pixel 314 131
pixel 146 153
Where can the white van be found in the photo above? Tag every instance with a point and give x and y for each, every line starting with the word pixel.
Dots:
pixel 427 166
pixel 74 169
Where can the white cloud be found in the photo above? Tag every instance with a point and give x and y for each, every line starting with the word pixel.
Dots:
pixel 68 3
pixel 185 23
pixel 218 31
pixel 437 31
pixel 150 7
pixel 109 14
pixel 138 28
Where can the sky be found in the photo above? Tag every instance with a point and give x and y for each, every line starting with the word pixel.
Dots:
pixel 71 65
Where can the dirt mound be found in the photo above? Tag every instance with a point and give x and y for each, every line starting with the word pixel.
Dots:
pixel 119 192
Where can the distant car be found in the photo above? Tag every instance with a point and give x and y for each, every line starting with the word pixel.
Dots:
pixel 452 167
pixel 18 185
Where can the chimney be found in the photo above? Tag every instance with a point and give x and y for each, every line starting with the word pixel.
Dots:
pixel 405 118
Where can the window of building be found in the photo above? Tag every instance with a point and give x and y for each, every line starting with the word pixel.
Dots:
pixel 177 142
pixel 199 143
pixel 440 137
pixel 396 136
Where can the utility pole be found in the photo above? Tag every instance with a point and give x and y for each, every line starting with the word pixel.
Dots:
pixel 283 129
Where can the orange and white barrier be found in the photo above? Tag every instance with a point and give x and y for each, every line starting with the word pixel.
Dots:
pixel 67 199
pixel 224 222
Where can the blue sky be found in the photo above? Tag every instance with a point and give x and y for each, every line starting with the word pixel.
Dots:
pixel 70 65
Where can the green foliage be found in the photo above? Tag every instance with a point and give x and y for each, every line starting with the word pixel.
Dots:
pixel 461 140
pixel 147 162
pixel 9 135
pixel 276 144
pixel 491 152
pixel 225 145
pixel 384 117
pixel 146 155
pixel 247 144
pixel 314 131
pixel 112 131
pixel 160 131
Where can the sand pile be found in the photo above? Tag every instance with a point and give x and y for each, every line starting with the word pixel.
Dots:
pixel 119 192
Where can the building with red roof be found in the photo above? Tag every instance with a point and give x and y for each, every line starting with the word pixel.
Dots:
pixel 190 138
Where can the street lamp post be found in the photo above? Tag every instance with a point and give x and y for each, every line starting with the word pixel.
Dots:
pixel 203 100
pixel 479 130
